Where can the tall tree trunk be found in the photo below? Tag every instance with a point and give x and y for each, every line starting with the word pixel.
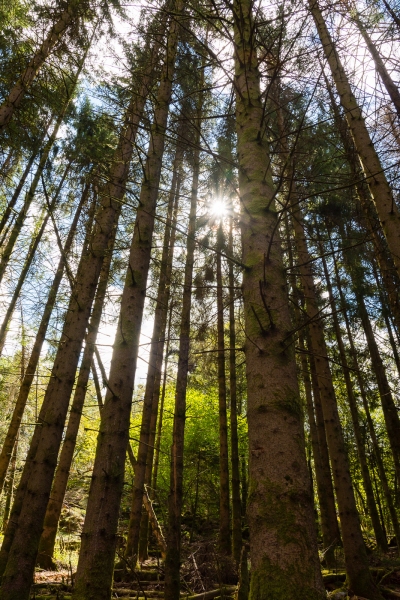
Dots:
pixel 157 447
pixel 386 265
pixel 224 542
pixel 16 230
pixel 25 80
pixel 21 182
pixel 235 467
pixel 150 404
pixel 372 508
pixel 37 236
pixel 9 491
pixel 326 500
pixel 283 545
pixel 358 574
pixel 371 427
pixel 379 187
pixel 26 384
pixel 34 489
pixel 380 67
pixel 163 301
pixel 173 537
pixel 54 507
pixel 388 405
pixel 96 559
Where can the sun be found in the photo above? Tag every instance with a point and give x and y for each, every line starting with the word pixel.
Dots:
pixel 218 208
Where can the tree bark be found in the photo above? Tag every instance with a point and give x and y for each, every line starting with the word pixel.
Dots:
pixel 35 485
pixel 173 537
pixel 358 574
pixel 377 451
pixel 150 404
pixel 96 560
pixel 379 187
pixel 372 508
pixel 283 546
pixel 54 507
pixel 235 467
pixel 26 384
pixel 224 542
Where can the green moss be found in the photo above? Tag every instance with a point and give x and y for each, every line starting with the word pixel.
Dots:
pixel 270 582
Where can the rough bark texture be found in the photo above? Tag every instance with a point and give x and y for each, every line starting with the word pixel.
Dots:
pixel 235 467
pixel 224 542
pixel 379 187
pixel 96 560
pixel 54 507
pixel 150 404
pixel 284 554
pixel 23 394
pixel 19 549
pixel 358 574
pixel 173 537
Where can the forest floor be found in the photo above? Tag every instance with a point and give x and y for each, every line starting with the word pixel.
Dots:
pixel 147 583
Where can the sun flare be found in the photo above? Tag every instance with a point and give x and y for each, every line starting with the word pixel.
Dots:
pixel 218 208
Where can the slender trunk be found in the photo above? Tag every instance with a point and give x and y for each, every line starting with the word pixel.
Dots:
pixel 392 13
pixel 16 230
pixel 173 557
pixel 96 559
pixel 27 265
pixel 54 507
pixel 358 574
pixel 163 302
pixel 16 564
pixel 379 187
pixel 371 426
pixel 8 163
pixel 388 405
pixel 23 394
pixel 224 542
pixel 21 184
pixel 97 386
pixel 150 404
pixel 380 67
pixel 235 467
pixel 373 512
pixel 24 82
pixel 283 544
pixel 9 491
pixel 162 401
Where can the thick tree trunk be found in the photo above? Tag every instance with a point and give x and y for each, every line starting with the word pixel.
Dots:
pixel 224 542
pixel 358 574
pixel 150 403
pixel 24 82
pixel 235 466
pixel 379 187
pixel 96 560
pixel 173 537
pixel 54 507
pixel 372 508
pixel 23 394
pixel 30 504
pixel 283 545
